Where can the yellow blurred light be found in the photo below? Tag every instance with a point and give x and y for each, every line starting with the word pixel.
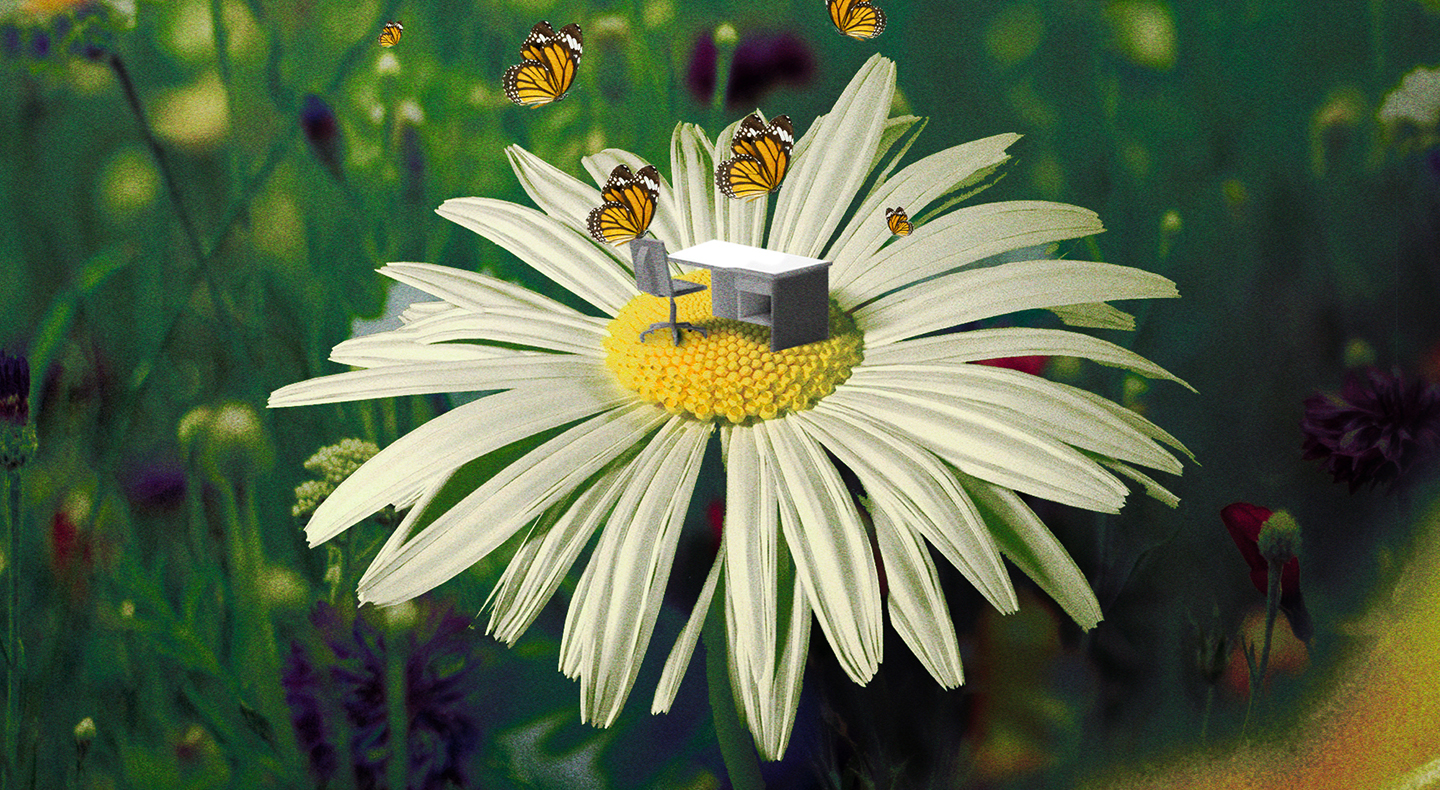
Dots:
pixel 128 184
pixel 1014 34
pixel 195 117
pixel 1144 32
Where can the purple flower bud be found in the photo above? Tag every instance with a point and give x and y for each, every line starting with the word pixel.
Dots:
pixel 10 39
pixel 40 44
pixel 761 64
pixel 14 389
pixel 321 128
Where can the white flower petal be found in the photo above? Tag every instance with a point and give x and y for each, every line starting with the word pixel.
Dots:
pixel 1014 342
pixel 960 238
pixel 1034 550
pixel 555 250
pixel 692 172
pixel 991 449
pixel 817 192
pixel 547 553
pixel 831 550
pixel 1096 315
pixel 795 623
pixel 738 221
pixel 752 539
pixel 572 334
pixel 470 290
pixel 1136 421
pixel 635 555
pixel 385 348
pixel 666 223
pixel 580 334
pixel 1055 408
pixel 679 659
pixel 486 518
pixel 456 437
pixel 416 504
pixel 557 193
pixel 965 296
pixel 420 378
pixel 913 188
pixel 917 606
pixel 896 138
pixel 916 489
pixel 1153 489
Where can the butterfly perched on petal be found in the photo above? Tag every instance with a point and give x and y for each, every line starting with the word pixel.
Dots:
pixel 856 18
pixel 548 61
pixel 898 221
pixel 390 34
pixel 628 208
pixel 762 155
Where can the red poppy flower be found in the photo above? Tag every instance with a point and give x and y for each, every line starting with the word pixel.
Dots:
pixel 1244 521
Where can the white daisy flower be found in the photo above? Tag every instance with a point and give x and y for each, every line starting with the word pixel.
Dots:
pixel 943 448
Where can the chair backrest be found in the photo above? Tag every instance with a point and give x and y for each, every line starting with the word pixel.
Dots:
pixel 652 267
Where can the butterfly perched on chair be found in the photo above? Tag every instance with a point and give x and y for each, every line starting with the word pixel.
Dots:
pixel 628 208
pixel 762 155
pixel 856 18
pixel 390 34
pixel 548 61
pixel 898 221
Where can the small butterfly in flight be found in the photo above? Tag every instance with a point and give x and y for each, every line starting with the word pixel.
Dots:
pixel 390 34
pixel 856 18
pixel 898 221
pixel 762 155
pixel 548 61
pixel 628 208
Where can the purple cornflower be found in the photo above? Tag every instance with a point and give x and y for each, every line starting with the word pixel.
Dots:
pixel 1378 427
pixel 337 684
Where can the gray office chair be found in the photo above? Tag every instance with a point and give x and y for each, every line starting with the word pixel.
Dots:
pixel 652 275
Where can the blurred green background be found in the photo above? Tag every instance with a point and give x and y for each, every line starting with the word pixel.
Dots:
pixel 195 194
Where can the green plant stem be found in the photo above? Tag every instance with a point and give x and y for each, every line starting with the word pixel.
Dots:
pixel 1257 671
pixel 1272 608
pixel 12 647
pixel 736 747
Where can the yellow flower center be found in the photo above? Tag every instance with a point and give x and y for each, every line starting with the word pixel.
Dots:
pixel 730 374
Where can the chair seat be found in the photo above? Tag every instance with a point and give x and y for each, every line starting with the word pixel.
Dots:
pixel 682 287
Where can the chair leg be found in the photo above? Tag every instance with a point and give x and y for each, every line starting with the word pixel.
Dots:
pixel 675 326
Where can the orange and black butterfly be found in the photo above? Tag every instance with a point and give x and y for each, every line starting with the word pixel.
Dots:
pixel 628 208
pixel 548 61
pixel 898 221
pixel 762 155
pixel 390 34
pixel 856 18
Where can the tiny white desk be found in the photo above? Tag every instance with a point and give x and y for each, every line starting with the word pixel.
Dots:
pixel 788 293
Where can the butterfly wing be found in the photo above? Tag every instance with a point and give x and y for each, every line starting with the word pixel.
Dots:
pixel 856 18
pixel 547 67
pixel 898 221
pixel 629 205
pixel 762 156
pixel 390 34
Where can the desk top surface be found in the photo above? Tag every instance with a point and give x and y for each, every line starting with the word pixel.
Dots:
pixel 716 254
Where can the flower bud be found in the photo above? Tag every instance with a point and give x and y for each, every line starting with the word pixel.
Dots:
pixel 322 131
pixel 227 440
pixel 1280 538
pixel 17 435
